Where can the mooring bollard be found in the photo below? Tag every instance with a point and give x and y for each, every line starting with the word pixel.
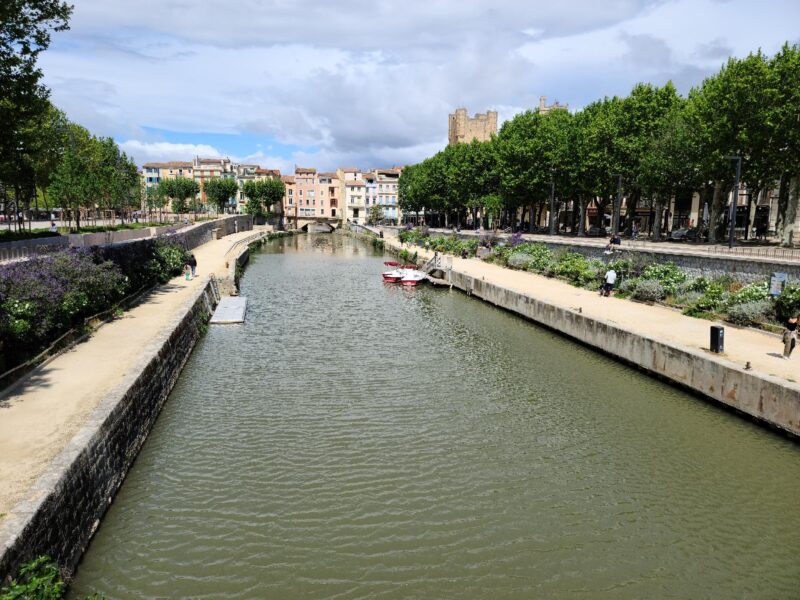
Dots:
pixel 717 338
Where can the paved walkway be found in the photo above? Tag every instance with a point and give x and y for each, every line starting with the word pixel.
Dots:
pixel 763 350
pixel 44 411
pixel 747 251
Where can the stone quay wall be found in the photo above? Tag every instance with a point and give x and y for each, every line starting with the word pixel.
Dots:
pixel 66 504
pixel 193 236
pixel 770 400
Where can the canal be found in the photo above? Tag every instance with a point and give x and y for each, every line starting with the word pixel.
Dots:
pixel 355 439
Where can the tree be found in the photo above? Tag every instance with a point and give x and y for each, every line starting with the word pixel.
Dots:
pixel 220 191
pixel 72 182
pixel 25 28
pixel 375 215
pixel 785 121
pixel 262 195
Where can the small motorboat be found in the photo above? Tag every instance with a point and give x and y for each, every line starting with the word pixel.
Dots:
pixel 393 276
pixel 392 263
pixel 412 277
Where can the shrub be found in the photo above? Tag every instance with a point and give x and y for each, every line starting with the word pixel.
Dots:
pixel 576 268
pixel 749 313
pixel 532 257
pixel 39 579
pixel 649 290
pixel 788 303
pixel 623 267
pixel 667 274
pixel 712 300
pixel 687 298
pixel 627 287
pixel 751 293
pixel 411 236
pixel 42 297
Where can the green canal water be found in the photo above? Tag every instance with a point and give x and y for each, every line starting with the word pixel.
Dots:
pixel 360 440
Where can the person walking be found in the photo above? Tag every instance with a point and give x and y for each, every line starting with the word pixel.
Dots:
pixel 610 280
pixel 789 337
pixel 193 264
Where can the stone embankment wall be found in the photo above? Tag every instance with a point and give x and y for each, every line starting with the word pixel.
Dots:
pixel 66 504
pixel 768 399
pixel 193 236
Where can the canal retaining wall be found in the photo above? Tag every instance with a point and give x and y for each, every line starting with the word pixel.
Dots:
pixel 66 503
pixel 770 400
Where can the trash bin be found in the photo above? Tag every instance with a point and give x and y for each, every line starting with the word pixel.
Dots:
pixel 717 338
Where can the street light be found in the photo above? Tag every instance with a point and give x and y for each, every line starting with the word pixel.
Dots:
pixel 732 212
pixel 552 201
pixel 617 205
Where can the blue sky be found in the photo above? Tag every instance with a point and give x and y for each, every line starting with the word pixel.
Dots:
pixel 370 83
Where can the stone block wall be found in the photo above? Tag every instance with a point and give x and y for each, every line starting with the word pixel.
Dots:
pixel 66 504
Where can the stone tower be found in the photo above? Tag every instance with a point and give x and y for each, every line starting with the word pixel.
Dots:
pixel 463 129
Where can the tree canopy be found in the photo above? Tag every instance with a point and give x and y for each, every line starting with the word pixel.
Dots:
pixel 654 142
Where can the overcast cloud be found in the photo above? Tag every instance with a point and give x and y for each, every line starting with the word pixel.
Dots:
pixel 370 83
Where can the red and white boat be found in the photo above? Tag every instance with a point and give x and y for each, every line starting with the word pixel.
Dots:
pixel 393 276
pixel 412 277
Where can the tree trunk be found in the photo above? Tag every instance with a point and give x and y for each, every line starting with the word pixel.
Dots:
pixel 717 207
pixel 790 227
pixel 630 211
pixel 783 203
pixel 581 216
pixel 658 216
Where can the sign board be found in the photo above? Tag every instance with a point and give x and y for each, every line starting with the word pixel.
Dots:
pixel 777 283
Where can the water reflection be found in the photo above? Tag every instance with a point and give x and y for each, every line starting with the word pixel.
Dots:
pixel 354 439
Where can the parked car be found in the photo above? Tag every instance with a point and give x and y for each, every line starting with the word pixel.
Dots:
pixel 689 234
pixel 598 231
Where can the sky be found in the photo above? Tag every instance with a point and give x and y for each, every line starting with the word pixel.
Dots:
pixel 370 83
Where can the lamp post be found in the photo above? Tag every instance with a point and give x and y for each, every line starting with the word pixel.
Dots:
pixel 732 213
pixel 552 201
pixel 617 205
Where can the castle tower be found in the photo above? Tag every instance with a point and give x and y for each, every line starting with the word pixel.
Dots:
pixel 463 129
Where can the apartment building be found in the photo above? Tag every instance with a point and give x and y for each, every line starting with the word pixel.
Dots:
pixel 155 172
pixel 387 181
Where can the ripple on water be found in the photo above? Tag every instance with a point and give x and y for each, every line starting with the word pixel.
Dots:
pixel 360 440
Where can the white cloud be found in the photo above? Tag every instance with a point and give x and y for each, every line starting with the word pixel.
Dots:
pixel 370 83
pixel 143 152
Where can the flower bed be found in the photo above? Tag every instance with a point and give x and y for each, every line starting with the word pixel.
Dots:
pixel 44 297
pixel 720 298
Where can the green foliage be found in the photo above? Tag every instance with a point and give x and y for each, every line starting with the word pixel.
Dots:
pixel 453 245
pixel 375 214
pixel 753 292
pixel 412 236
pixel 39 579
pixel 220 191
pixel 751 312
pixel 667 274
pixel 623 267
pixel 712 301
pixel 577 268
pixel 169 261
pixel 262 195
pixel 532 257
pixel 788 303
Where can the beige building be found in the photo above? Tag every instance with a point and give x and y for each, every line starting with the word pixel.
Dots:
pixel 463 129
pixel 544 109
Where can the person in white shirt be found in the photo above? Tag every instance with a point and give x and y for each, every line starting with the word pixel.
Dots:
pixel 610 280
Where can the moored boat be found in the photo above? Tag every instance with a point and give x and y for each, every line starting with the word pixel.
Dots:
pixel 412 277
pixel 393 276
